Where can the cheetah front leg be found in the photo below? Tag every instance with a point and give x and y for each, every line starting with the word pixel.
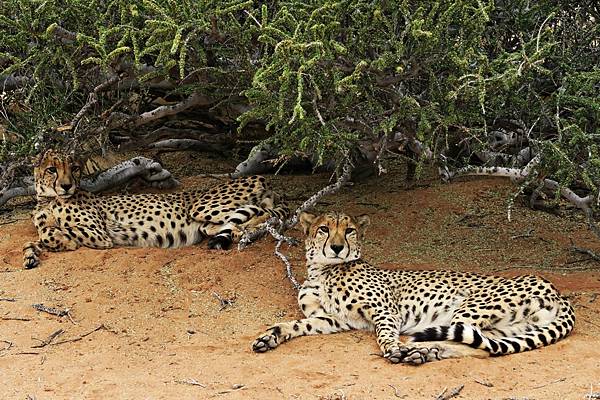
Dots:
pixel 53 238
pixel 317 322
pixel 50 238
pixel 387 327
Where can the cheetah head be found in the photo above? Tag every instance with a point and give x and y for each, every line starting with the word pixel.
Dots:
pixel 333 238
pixel 56 175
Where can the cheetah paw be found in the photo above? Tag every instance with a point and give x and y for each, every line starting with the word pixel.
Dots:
pixel 421 355
pixel 30 262
pixel 264 343
pixel 397 355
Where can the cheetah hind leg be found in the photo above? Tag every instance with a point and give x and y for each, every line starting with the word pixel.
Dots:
pixel 422 352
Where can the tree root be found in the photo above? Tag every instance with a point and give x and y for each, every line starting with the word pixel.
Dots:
pixel 145 168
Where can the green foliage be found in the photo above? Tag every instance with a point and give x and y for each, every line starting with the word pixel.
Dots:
pixel 323 75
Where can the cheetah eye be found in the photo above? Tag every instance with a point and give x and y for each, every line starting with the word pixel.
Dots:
pixel 324 229
pixel 350 231
pixel 75 168
pixel 51 170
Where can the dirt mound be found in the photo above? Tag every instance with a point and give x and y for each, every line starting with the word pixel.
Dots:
pixel 163 324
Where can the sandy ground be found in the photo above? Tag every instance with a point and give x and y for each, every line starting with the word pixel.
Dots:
pixel 163 334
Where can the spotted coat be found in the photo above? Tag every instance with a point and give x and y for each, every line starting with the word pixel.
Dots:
pixel 446 313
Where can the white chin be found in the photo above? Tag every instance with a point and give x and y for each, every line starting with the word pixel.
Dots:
pixel 329 260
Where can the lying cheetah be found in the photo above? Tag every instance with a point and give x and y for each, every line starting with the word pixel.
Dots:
pixel 67 218
pixel 447 314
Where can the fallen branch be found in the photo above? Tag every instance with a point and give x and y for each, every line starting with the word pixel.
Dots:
pixel 483 382
pixel 51 310
pixel 9 345
pixel 521 175
pixel 189 144
pixel 582 250
pixel 453 393
pixel 4 318
pixel 192 382
pixel 78 338
pixel 255 163
pixel 524 235
pixel 49 340
pixel 93 98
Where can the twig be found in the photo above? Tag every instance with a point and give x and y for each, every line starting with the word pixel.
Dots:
pixel 234 387
pixel 484 383
pixel 49 340
pixel 397 392
pixel 278 235
pixel 288 266
pixel 9 345
pixel 453 393
pixel 225 302
pixel 525 235
pixel 192 382
pixel 582 250
pixel 10 221
pixel 11 299
pixel 78 338
pixel 14 319
pixel 550 383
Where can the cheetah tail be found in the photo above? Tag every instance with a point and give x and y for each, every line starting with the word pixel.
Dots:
pixel 537 336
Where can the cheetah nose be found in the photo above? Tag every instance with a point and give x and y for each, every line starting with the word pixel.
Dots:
pixel 66 186
pixel 337 248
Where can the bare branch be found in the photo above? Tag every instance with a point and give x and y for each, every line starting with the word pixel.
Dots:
pixel 194 100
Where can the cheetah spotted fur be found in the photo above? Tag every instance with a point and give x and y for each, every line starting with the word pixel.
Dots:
pixel 447 314
pixel 67 217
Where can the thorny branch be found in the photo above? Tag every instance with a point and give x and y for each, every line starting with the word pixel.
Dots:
pixel 284 225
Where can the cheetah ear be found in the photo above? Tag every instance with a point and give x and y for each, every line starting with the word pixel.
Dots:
pixel 363 221
pixel 40 157
pixel 306 220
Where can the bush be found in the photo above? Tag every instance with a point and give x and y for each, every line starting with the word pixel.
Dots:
pixel 321 76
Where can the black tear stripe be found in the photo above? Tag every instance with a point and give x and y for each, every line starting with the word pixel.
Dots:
pixel 325 245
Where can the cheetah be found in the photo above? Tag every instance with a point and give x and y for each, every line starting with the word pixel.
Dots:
pixel 447 314
pixel 67 217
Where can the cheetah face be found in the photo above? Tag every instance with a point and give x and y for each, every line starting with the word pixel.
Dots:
pixel 333 238
pixel 56 175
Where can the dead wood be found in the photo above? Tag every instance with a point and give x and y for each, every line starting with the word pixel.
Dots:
pixel 48 340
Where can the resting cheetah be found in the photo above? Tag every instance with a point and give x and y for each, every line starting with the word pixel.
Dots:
pixel 67 218
pixel 442 310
